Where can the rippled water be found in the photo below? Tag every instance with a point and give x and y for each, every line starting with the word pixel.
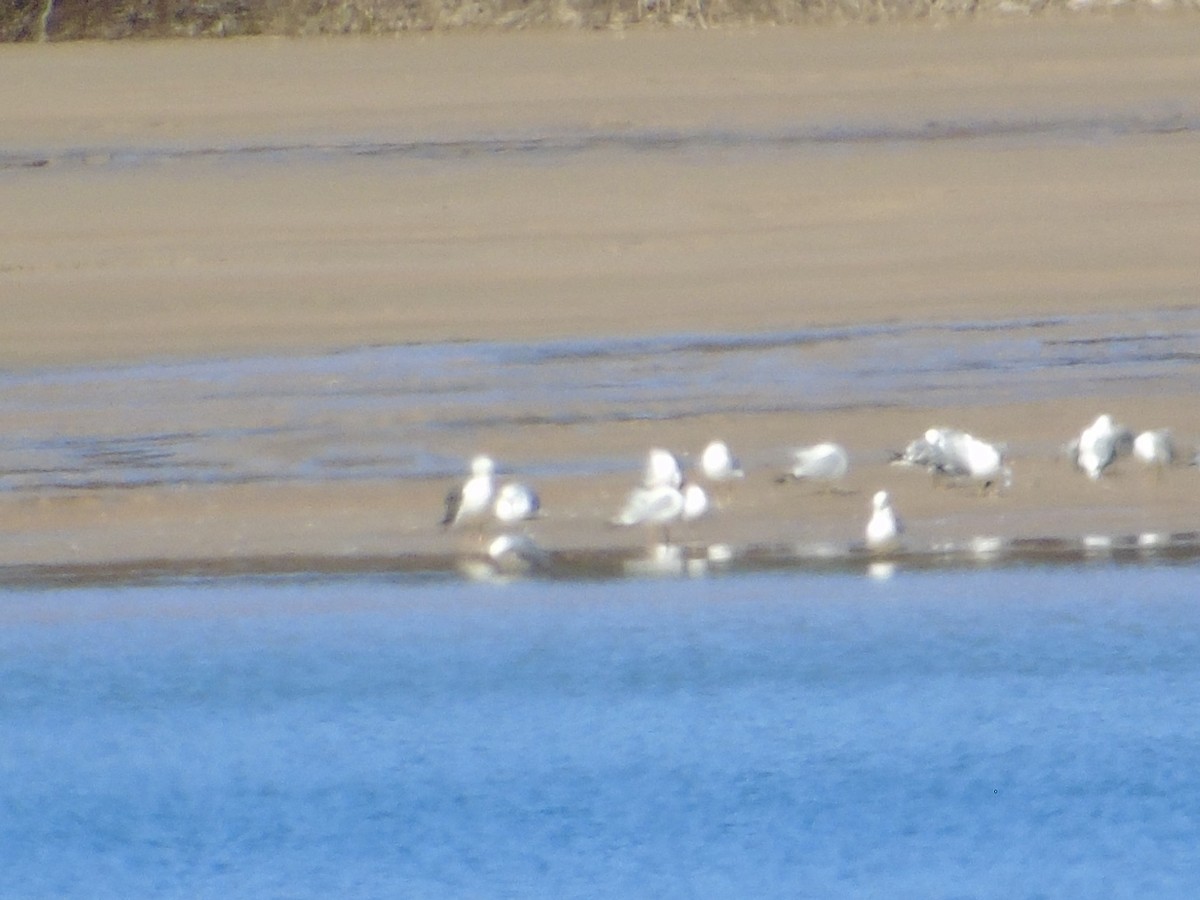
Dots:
pixel 1024 731
pixel 387 411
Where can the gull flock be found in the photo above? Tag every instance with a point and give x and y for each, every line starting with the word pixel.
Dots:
pixel 668 496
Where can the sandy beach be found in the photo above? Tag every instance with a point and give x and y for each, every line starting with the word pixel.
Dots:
pixel 216 200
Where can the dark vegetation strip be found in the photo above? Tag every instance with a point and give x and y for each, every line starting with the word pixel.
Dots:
pixel 62 20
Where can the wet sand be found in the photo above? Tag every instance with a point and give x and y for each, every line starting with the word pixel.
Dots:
pixel 230 199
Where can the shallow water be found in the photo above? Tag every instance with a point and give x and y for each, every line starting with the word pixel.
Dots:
pixel 1023 731
pixel 540 148
pixel 392 412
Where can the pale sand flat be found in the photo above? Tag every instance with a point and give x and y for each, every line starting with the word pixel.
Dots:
pixel 105 261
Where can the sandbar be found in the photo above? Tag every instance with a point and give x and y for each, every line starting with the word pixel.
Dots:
pixel 225 199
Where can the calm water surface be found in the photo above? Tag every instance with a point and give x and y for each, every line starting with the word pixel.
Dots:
pixel 415 411
pixel 1014 732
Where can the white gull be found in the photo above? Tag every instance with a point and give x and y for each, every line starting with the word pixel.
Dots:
pixel 662 505
pixel 957 454
pixel 825 462
pixel 1099 445
pixel 1155 448
pixel 662 468
pixel 884 527
pixel 516 502
pixel 516 554
pixel 472 500
pixel 719 464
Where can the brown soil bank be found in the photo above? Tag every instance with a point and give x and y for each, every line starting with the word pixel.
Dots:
pixel 23 20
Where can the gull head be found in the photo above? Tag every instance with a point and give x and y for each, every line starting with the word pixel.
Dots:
pixel 482 466
pixel 662 469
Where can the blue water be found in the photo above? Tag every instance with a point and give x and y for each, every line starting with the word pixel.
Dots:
pixel 1027 731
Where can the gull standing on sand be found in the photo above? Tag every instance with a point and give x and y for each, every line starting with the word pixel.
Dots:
pixel 884 527
pixel 1099 445
pixel 719 464
pixel 827 462
pixel 661 505
pixel 516 502
pixel 1155 448
pixel 472 500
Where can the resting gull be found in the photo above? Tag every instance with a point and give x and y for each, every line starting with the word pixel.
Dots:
pixel 516 502
pixel 957 454
pixel 719 464
pixel 516 554
pixel 662 505
pixel 506 557
pixel 1155 448
pixel 1099 445
pixel 826 462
